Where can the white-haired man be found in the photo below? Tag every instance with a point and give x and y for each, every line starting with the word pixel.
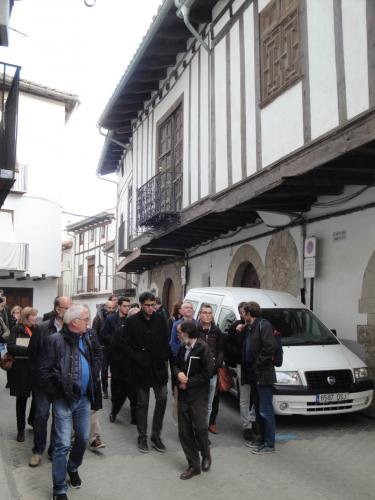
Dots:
pixel 69 372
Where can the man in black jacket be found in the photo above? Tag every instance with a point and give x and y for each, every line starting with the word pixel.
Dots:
pixel 233 356
pixel 258 352
pixel 147 345
pixel 41 399
pixel 69 373
pixel 212 335
pixel 122 386
pixel 193 368
pixel 111 323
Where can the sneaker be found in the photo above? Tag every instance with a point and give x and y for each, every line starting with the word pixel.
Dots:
pixel 142 445
pixel 254 444
pixel 263 450
pixel 97 443
pixel 75 480
pixel 62 496
pixel 158 444
pixel 35 460
pixel 105 394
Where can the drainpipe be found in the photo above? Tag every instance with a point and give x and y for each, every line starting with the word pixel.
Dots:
pixel 303 281
pixel 183 12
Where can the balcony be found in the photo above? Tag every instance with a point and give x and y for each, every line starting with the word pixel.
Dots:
pixel 9 92
pixel 159 200
pixel 20 183
pixel 123 285
pixel 88 285
pixel 14 256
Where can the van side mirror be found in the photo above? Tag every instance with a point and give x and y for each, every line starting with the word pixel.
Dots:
pixel 334 331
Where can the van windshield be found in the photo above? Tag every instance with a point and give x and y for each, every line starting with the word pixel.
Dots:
pixel 299 327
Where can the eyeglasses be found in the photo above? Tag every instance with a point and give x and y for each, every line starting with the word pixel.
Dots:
pixel 148 305
pixel 86 320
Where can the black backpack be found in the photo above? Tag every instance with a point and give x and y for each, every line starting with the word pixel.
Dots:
pixel 278 353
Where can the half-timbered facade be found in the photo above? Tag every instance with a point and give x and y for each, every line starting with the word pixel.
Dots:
pixel 234 146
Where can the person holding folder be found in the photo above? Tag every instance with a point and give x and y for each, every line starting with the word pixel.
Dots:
pixel 20 375
pixel 193 369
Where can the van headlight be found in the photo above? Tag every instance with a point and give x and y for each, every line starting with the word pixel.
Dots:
pixel 288 378
pixel 361 373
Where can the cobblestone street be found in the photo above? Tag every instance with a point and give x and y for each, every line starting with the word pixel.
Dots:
pixel 308 449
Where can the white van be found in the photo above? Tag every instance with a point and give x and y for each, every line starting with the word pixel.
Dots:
pixel 319 375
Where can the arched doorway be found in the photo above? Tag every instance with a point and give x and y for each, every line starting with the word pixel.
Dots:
pixel 246 276
pixel 246 268
pixel 169 295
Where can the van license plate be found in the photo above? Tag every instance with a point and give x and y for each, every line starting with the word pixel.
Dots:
pixel 331 398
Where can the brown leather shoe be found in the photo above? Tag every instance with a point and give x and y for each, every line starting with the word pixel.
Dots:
pixel 206 464
pixel 213 429
pixel 189 473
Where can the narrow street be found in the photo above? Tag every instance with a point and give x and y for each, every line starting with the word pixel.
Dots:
pixel 307 450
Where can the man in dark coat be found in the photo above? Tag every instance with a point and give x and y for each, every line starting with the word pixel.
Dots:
pixel 258 353
pixel 147 346
pixel 233 356
pixel 69 373
pixel 212 335
pixel 42 400
pixel 122 385
pixel 193 368
pixel 111 323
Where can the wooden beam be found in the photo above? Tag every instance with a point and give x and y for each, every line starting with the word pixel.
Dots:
pixel 149 75
pixel 167 49
pixel 140 88
pixel 165 61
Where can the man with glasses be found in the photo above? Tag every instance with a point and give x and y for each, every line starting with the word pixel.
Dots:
pixel 69 373
pixel 147 345
pixel 112 322
pixel 41 399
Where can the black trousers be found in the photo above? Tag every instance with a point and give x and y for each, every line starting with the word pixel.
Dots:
pixel 105 367
pixel 192 430
pixel 215 407
pixel 143 398
pixel 21 404
pixel 120 391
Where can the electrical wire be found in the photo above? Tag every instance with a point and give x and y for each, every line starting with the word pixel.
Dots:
pixel 340 201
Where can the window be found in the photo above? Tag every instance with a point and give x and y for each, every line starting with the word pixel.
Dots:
pixel 279 47
pixel 92 235
pixel 81 238
pixel 170 142
pixel 130 214
pixel 91 274
pixel 80 270
pixel 170 162
pixel 102 232
pixel 226 318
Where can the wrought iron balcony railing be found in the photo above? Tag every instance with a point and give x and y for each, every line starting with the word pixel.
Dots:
pixel 159 200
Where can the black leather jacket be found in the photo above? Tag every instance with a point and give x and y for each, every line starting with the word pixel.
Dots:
pixel 59 372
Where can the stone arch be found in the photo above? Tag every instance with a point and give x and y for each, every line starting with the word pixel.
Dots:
pixel 244 256
pixel 282 271
pixel 160 275
pixel 169 294
pixel 366 333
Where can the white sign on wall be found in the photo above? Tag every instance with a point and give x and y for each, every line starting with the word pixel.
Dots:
pixel 309 267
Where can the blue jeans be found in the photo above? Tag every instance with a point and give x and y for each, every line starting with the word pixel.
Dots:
pixel 69 415
pixel 265 411
pixel 42 408
pixel 211 395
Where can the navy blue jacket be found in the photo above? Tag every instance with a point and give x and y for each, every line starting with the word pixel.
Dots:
pixel 112 322
pixel 59 372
